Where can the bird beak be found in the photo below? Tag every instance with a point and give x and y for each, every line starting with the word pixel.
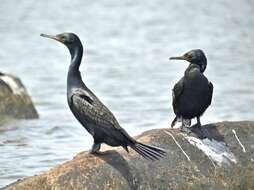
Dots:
pixel 52 37
pixel 178 58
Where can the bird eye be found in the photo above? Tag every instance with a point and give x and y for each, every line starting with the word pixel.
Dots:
pixel 71 39
pixel 188 56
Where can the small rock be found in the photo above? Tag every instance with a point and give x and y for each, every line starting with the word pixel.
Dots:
pixel 14 99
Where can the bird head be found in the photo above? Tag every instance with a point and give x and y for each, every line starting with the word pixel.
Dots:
pixel 195 56
pixel 70 40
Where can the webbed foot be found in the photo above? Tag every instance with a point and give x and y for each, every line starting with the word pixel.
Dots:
pixel 95 148
pixel 199 130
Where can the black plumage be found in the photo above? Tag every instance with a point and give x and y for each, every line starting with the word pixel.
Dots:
pixel 91 112
pixel 192 94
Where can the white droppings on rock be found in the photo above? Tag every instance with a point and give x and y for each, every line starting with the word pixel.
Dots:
pixel 185 154
pixel 16 89
pixel 238 140
pixel 215 150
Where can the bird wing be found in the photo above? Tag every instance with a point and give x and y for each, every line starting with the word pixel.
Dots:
pixel 210 87
pixel 92 110
pixel 177 92
pixel 178 89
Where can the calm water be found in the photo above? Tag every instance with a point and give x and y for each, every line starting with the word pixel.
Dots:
pixel 127 45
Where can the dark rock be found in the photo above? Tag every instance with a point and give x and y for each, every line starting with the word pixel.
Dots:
pixel 224 161
pixel 14 99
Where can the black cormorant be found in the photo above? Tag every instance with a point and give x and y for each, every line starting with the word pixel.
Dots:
pixel 91 112
pixel 192 94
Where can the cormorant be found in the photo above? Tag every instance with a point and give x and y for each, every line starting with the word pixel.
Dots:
pixel 91 112
pixel 192 94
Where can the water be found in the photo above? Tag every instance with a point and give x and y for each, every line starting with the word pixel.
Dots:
pixel 127 45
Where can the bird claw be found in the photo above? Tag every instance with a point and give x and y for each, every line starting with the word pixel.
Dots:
pixel 93 152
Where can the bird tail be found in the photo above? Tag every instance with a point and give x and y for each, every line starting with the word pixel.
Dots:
pixel 148 151
pixel 174 122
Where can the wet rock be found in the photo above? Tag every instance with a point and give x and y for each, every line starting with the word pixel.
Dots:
pixel 14 99
pixel 224 160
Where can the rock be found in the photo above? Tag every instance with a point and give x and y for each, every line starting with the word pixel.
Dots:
pixel 222 161
pixel 14 99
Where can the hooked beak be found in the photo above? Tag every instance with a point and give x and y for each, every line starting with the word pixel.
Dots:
pixel 178 58
pixel 52 37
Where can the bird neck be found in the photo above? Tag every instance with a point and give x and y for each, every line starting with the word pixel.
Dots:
pixel 76 57
pixel 74 77
pixel 192 66
pixel 200 65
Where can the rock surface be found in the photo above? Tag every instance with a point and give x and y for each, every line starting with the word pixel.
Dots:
pixel 225 160
pixel 14 99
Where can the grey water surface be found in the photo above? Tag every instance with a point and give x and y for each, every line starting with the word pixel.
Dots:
pixel 127 45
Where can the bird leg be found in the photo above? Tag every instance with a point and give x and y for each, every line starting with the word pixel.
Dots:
pixel 126 148
pixel 198 126
pixel 95 148
pixel 186 123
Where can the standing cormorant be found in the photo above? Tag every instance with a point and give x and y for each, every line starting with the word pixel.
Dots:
pixel 192 94
pixel 91 112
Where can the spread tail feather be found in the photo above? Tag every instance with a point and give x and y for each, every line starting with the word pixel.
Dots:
pixel 148 151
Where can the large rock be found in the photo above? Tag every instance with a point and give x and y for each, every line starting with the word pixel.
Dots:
pixel 14 99
pixel 224 161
